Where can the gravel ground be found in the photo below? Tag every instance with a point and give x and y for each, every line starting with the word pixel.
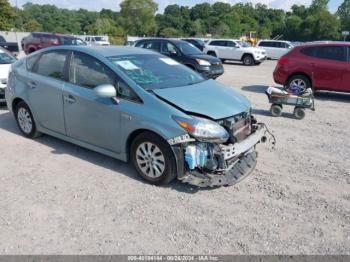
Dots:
pixel 57 198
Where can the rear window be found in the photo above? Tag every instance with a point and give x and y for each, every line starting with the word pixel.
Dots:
pixel 335 53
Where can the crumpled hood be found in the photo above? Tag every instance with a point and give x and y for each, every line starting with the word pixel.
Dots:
pixel 208 98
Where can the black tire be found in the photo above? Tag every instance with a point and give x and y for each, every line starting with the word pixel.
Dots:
pixel 169 172
pixel 276 110
pixel 248 60
pixel 301 78
pixel 31 132
pixel 212 53
pixel 299 113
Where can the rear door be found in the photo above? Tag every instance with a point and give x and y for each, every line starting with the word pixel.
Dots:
pixel 90 119
pixel 329 67
pixel 345 83
pixel 45 80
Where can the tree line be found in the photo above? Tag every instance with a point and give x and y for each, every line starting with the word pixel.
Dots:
pixel 140 18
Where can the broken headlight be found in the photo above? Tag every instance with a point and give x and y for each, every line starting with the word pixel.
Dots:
pixel 202 129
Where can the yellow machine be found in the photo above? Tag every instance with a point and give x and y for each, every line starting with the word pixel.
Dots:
pixel 251 38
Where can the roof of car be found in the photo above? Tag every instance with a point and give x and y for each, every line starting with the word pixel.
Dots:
pixel 223 39
pixel 320 43
pixel 273 40
pixel 174 40
pixel 105 51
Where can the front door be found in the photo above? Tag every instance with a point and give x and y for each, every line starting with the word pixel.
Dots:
pixel 45 80
pixel 90 119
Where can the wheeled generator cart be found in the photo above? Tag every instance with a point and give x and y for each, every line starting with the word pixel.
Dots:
pixel 279 97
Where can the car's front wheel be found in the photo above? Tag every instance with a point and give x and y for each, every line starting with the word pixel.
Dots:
pixel 25 120
pixel 248 60
pixel 153 158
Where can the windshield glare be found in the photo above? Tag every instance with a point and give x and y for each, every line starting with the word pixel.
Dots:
pixel 188 49
pixel 6 59
pixel 152 71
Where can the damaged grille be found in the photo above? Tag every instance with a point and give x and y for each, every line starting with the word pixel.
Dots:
pixel 238 126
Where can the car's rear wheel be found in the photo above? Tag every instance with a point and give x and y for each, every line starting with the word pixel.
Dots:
pixel 300 81
pixel 248 60
pixel 26 121
pixel 153 158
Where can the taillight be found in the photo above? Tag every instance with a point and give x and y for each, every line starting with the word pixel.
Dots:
pixel 283 60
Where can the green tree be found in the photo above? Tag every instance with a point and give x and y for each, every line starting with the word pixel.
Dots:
pixel 32 25
pixel 138 16
pixel 344 15
pixel 7 15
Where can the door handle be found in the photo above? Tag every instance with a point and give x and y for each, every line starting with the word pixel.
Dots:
pixel 31 84
pixel 69 99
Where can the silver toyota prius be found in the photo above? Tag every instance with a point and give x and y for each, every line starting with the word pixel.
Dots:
pixel 138 105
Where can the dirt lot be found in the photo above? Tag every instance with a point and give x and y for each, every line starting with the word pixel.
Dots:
pixel 59 198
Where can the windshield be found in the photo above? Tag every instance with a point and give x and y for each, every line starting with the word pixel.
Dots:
pixel 152 71
pixel 243 44
pixel 188 49
pixel 73 41
pixel 6 58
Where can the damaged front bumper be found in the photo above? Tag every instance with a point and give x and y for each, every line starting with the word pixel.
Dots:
pixel 224 164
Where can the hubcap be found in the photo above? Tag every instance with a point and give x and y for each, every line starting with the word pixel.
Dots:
pixel 247 60
pixel 150 160
pixel 299 83
pixel 25 120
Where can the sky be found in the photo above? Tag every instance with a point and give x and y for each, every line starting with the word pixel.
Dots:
pixel 97 5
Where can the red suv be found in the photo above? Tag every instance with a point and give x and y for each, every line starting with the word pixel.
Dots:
pixel 36 41
pixel 320 65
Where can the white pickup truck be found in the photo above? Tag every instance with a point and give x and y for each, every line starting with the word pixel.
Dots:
pixel 230 49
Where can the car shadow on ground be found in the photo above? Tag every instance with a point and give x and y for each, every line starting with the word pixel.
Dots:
pixel 255 89
pixel 332 96
pixel 264 112
pixel 60 147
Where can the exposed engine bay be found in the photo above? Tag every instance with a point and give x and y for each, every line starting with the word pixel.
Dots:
pixel 209 164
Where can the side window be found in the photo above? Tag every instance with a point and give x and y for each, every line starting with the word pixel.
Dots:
pixel 308 51
pixel 31 61
pixel 86 71
pixel 217 43
pixel 263 43
pixel 336 53
pixel 51 64
pixel 125 92
pixel 168 48
pixel 230 44
pixel 154 45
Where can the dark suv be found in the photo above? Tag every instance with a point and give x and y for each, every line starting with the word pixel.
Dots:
pixel 37 41
pixel 185 53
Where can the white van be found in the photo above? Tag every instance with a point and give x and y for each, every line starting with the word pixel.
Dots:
pixel 275 48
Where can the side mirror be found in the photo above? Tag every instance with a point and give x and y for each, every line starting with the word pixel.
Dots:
pixel 105 91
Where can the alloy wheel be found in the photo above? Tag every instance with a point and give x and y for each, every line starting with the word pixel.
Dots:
pixel 25 120
pixel 150 160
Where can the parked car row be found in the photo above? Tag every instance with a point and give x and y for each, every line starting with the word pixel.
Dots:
pixel 185 53
pixel 9 46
